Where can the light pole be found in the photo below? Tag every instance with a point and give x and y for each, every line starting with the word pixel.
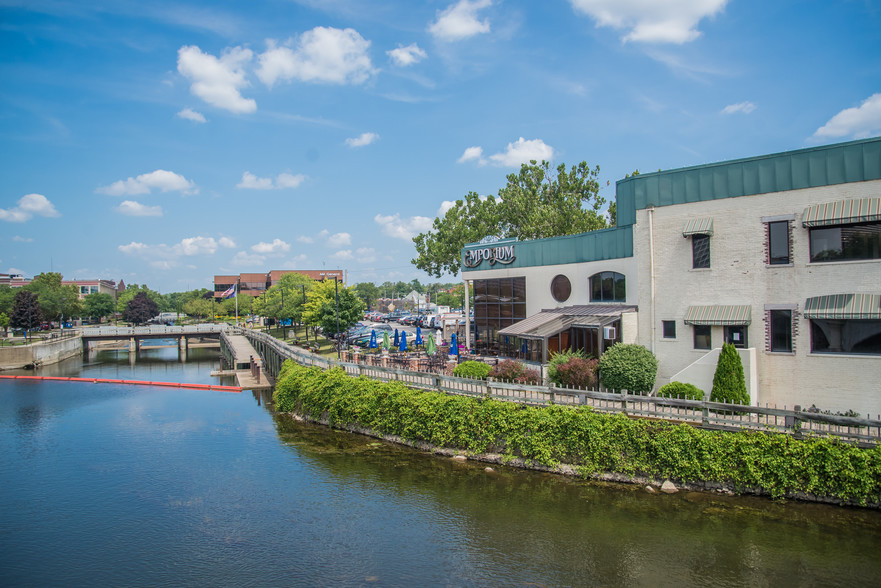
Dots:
pixel 336 297
pixel 303 286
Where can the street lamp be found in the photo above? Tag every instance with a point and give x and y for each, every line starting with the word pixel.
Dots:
pixel 336 296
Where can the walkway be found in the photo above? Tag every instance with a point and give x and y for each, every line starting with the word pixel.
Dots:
pixel 246 363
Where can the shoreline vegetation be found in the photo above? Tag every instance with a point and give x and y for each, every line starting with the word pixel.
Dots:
pixel 583 442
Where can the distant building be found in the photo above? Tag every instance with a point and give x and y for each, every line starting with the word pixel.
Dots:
pixel 255 284
pixel 84 287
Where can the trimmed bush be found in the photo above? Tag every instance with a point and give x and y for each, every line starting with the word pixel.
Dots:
pixel 472 369
pixel 681 390
pixel 560 358
pixel 729 384
pixel 628 367
pixel 514 371
pixel 578 372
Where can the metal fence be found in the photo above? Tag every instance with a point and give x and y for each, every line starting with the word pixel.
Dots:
pixel 704 414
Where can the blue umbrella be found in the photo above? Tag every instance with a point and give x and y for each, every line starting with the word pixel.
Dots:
pixel 418 340
pixel 397 338
pixel 403 346
pixel 454 347
pixel 372 344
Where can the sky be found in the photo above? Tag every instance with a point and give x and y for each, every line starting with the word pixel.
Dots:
pixel 164 142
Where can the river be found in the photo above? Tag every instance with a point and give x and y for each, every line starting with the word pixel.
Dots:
pixel 122 485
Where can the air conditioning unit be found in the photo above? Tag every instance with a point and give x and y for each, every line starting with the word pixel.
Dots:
pixel 610 333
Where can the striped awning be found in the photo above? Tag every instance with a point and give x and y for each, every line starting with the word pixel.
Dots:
pixel 842 212
pixel 698 226
pixel 844 306
pixel 718 315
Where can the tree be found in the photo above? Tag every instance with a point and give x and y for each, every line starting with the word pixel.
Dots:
pixel 321 307
pixel 4 322
pixel 729 383
pixel 198 307
pixel 98 305
pixel 56 300
pixel 534 204
pixel 628 367
pixel 25 311
pixel 284 300
pixel 130 292
pixel 368 292
pixel 140 309
pixel 7 296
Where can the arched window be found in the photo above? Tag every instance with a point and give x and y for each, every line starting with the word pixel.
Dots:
pixel 607 287
pixel 561 288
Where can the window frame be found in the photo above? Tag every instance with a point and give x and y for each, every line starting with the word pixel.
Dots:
pixel 786 226
pixel 708 334
pixel 619 282
pixel 561 288
pixel 664 325
pixel 850 231
pixel 697 243
pixel 790 335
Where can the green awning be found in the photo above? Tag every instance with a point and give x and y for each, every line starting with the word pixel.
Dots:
pixel 844 306
pixel 842 212
pixel 698 226
pixel 718 315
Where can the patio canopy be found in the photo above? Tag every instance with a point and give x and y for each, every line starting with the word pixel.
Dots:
pixel 844 306
pixel 698 226
pixel 726 315
pixel 549 322
pixel 842 212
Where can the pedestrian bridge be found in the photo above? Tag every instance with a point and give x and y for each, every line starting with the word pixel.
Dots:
pixel 135 335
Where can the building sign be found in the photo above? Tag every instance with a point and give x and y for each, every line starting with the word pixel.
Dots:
pixel 500 254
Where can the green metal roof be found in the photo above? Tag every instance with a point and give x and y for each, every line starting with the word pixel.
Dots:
pixel 856 161
pixel 842 212
pixel 613 243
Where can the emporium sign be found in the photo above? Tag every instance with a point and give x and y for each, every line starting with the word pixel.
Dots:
pixel 498 254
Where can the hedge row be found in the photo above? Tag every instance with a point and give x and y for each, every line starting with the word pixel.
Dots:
pixel 592 441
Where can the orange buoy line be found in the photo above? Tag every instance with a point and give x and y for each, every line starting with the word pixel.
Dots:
pixel 141 382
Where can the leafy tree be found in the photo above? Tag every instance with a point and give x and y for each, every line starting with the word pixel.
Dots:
pixel 98 305
pixel 628 367
pixel 56 300
pixel 199 307
pixel 130 292
pixel 368 292
pixel 25 311
pixel 729 383
pixel 140 309
pixel 4 322
pixel 535 204
pixel 321 307
pixel 7 296
pixel 284 300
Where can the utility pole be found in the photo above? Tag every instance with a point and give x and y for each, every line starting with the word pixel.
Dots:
pixel 336 296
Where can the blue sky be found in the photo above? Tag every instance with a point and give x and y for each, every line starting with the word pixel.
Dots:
pixel 164 142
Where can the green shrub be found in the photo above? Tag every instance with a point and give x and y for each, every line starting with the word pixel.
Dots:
pixel 729 384
pixel 514 371
pixel 628 367
pixel 560 358
pixel 681 390
pixel 577 372
pixel 472 369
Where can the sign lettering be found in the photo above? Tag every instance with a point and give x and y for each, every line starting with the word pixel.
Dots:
pixel 503 254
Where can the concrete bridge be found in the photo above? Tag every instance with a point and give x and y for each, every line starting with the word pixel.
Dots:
pixel 137 335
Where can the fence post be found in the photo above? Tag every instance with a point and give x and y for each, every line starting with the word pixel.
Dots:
pixel 705 414
pixel 793 421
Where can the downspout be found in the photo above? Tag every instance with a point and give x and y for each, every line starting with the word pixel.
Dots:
pixel 651 210
pixel 467 316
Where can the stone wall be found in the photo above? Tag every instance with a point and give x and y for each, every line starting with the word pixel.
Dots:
pixel 41 353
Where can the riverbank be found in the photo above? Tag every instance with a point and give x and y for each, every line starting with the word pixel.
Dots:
pixel 40 353
pixel 586 443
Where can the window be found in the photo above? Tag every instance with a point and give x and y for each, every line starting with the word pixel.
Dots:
pixel 702 337
pixel 778 243
pixel 846 242
pixel 736 335
pixel 561 288
pixel 608 287
pixel 700 251
pixel 669 328
pixel 858 337
pixel 498 303
pixel 780 325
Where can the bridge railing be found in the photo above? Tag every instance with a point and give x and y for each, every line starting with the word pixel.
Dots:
pixel 210 328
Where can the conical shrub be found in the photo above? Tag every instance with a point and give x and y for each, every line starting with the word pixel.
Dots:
pixel 729 384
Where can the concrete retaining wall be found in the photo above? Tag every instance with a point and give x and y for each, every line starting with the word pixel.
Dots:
pixel 42 353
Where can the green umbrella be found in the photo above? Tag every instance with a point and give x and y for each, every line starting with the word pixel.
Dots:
pixel 430 346
pixel 385 340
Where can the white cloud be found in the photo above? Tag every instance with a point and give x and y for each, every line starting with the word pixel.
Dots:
pixel 162 253
pixel 651 21
pixel 744 107
pixel 324 55
pixel 284 180
pixel 343 254
pixel 245 259
pixel 132 208
pixel 29 205
pixel 860 122
pixel 162 180
pixel 305 239
pixel 197 246
pixel 217 81
pixel 363 140
pixel 459 21
pixel 406 56
pixel 190 114
pixel 366 254
pixel 444 207
pixel 339 239
pixel 405 229
pixel 226 242
pixel 473 154
pixel 523 151
pixel 19 239
pixel 277 247
pixel 132 248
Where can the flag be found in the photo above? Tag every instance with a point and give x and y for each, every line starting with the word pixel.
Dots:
pixel 229 293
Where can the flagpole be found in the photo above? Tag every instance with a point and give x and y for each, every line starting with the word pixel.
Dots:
pixel 236 294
